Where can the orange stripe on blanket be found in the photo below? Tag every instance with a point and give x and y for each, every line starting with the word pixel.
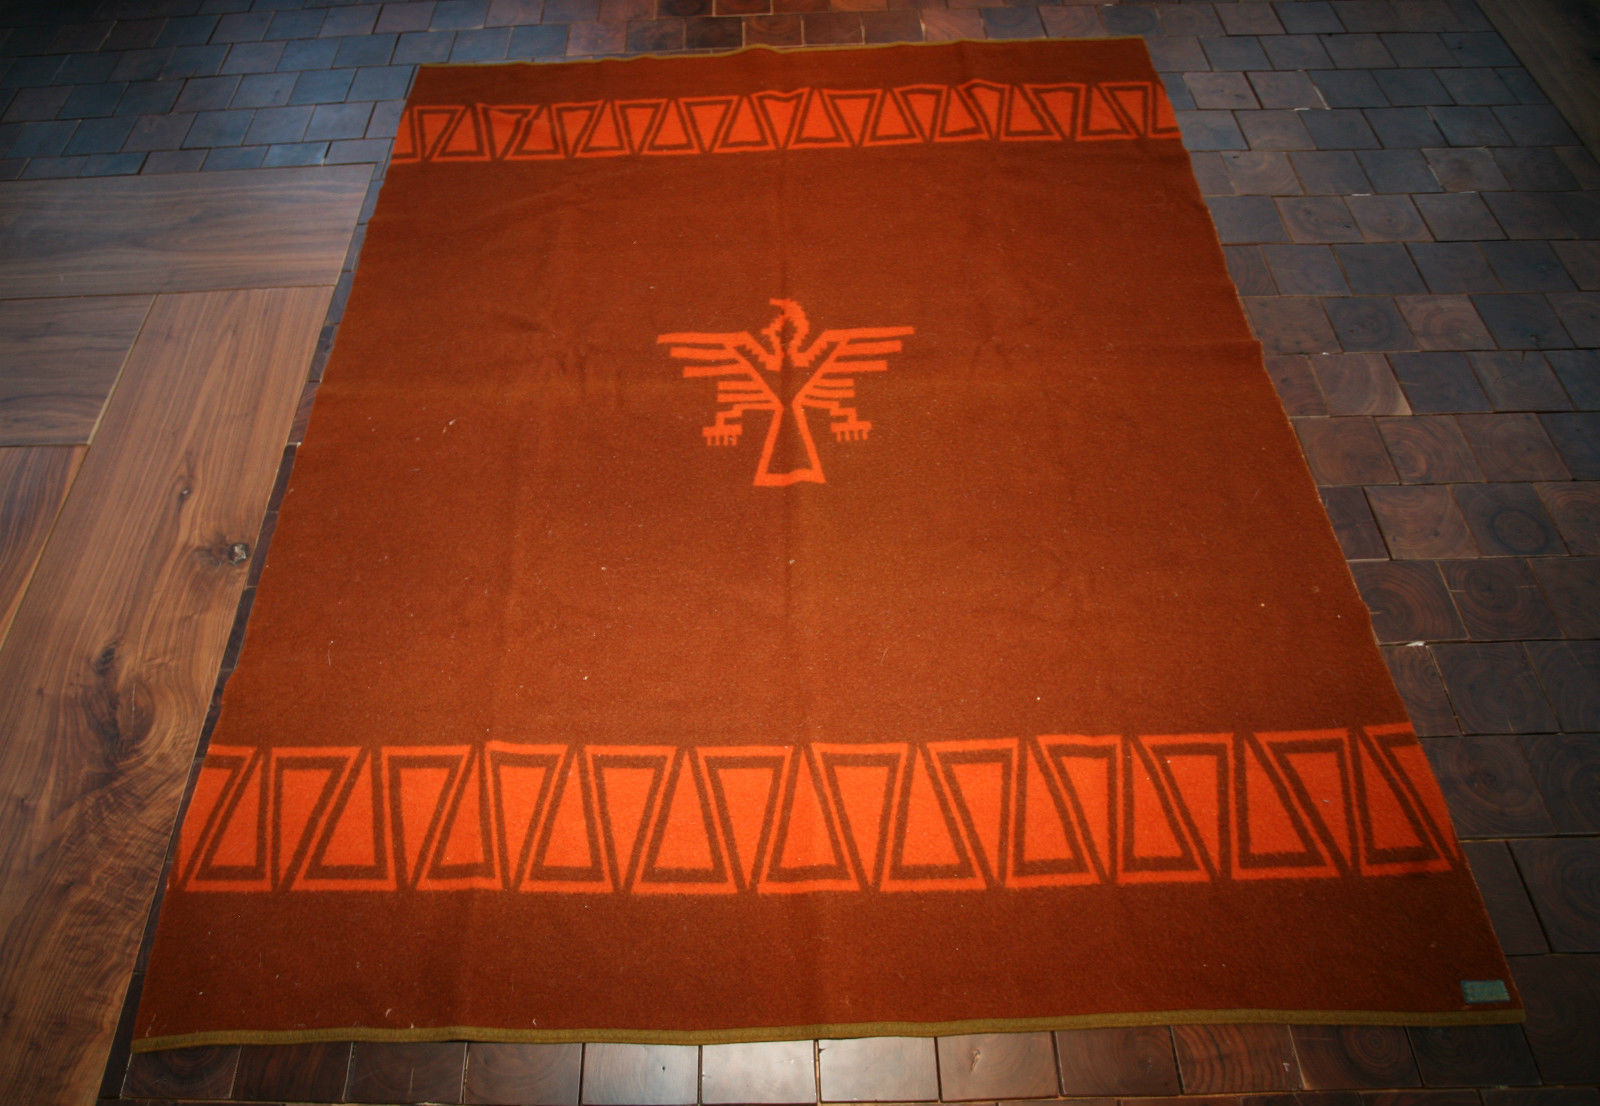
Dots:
pixel 1048 811
pixel 796 119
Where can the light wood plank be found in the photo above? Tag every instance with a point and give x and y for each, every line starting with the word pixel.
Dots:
pixel 186 232
pixel 58 362
pixel 33 483
pixel 1559 42
pixel 107 672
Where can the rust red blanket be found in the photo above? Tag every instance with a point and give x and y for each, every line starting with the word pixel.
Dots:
pixel 799 544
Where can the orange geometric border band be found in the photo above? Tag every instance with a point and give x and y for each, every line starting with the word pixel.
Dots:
pixel 984 815
pixel 797 119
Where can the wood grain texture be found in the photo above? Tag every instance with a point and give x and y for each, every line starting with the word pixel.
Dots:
pixel 1354 1057
pixel 546 1074
pixel 640 1075
pixel 106 675
pixel 997 1066
pixel 58 362
pixel 1558 40
pixel 1230 1059
pixel 177 233
pixel 1137 1060
pixel 33 484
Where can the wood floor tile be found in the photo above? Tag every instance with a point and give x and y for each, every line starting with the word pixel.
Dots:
pixel 178 232
pixel 879 1069
pixel 1576 436
pixel 640 1075
pixel 1359 384
pixel 33 484
pixel 1473 1056
pixel 1567 770
pixel 534 1074
pixel 1499 599
pixel 766 1071
pixel 1137 1060
pixel 1417 678
pixel 1512 447
pixel 133 587
pixel 1345 451
pixel 1488 785
pixel 1562 994
pixel 1408 601
pixel 58 361
pixel 1563 879
pixel 313 1072
pixel 1569 671
pixel 1507 520
pixel 1575 509
pixel 997 1066
pixel 183 1073
pixel 1504 896
pixel 1429 449
pixel 1354 1057
pixel 1223 1059
pixel 1520 381
pixel 1353 524
pixel 1438 383
pixel 1421 521
pixel 1296 385
pixel 405 1072
pixel 1444 322
pixel 1493 689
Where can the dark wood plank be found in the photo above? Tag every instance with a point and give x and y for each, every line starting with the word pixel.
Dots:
pixel 1429 449
pixel 1417 679
pixel 1345 451
pixel 183 1073
pixel 1354 1057
pixel 1473 1056
pixel 1353 524
pixel 1567 768
pixel 178 232
pixel 1499 599
pixel 58 362
pixel 764 1071
pixel 1562 994
pixel 1421 521
pixel 1572 586
pixel 311 1072
pixel 1569 672
pixel 1222 1059
pixel 1408 601
pixel 1558 40
pixel 1576 511
pixel 1488 786
pixel 1563 878
pixel 133 593
pixel 1137 1060
pixel 412 1071
pixel 642 1075
pixel 996 1066
pixel 1506 899
pixel 33 485
pixel 1493 689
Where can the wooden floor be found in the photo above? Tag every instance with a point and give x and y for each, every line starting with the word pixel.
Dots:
pixel 1415 230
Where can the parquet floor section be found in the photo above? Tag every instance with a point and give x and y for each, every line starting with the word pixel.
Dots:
pixel 1414 228
pixel 122 563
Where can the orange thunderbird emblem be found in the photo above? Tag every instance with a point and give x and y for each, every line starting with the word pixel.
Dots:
pixel 781 349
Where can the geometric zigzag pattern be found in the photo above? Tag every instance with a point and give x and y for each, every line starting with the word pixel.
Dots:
pixel 795 119
pixel 1049 811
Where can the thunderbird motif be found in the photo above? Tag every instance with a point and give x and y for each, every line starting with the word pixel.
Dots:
pixel 782 351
